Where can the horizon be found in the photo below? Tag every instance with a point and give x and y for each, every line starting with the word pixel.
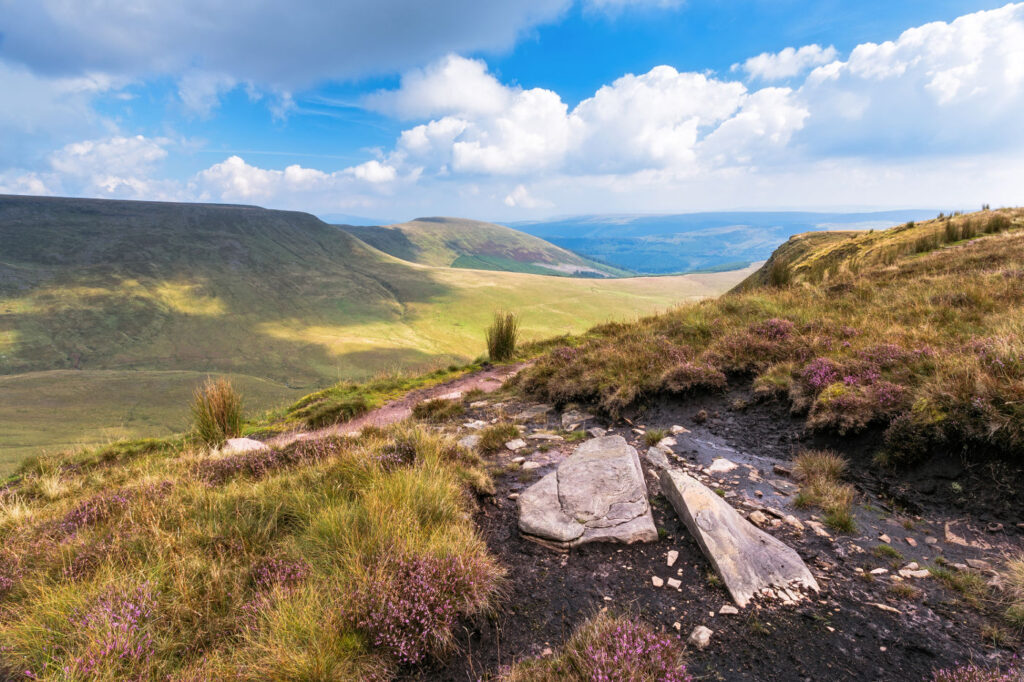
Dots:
pixel 546 110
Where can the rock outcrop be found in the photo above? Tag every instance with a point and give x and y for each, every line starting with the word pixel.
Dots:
pixel 597 494
pixel 749 561
pixel 236 446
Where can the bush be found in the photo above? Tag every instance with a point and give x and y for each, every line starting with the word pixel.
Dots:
pixel 217 411
pixel 502 336
pixel 493 438
pixel 608 648
pixel 687 376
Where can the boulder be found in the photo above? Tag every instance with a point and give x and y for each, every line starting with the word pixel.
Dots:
pixel 236 446
pixel 597 494
pixel 749 561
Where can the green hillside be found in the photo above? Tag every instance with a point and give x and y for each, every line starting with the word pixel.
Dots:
pixel 460 243
pixel 91 290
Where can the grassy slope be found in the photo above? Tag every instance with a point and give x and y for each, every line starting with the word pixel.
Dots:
pixel 171 292
pixel 901 329
pixel 461 243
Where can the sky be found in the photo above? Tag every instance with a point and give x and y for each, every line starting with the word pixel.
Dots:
pixel 393 109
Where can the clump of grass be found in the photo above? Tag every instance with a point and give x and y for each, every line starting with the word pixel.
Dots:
pixel 820 475
pixel 336 412
pixel 574 436
pixel 607 647
pixel 904 591
pixel 970 584
pixel 654 436
pixel 1013 580
pixel 888 553
pixel 216 411
pixel 438 410
pixel 502 336
pixel 494 437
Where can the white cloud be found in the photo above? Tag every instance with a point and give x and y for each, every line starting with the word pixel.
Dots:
pixel 374 172
pixel 115 167
pixel 200 91
pixel 521 197
pixel 451 86
pixel 788 63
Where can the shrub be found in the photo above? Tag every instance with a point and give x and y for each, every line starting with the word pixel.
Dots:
pixel 608 648
pixel 654 436
pixel 335 412
pixel 259 463
pixel 687 376
pixel 409 605
pixel 438 410
pixel 502 336
pixel 217 411
pixel 493 438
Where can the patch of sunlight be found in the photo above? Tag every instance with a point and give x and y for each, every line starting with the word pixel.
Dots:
pixel 186 298
pixel 354 338
pixel 181 297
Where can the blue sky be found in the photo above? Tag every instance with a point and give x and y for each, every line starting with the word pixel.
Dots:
pixel 519 110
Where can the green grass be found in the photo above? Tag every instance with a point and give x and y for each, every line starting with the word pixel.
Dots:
pixel 115 288
pixel 280 571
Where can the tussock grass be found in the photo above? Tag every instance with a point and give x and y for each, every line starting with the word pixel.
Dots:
pixel 216 411
pixel 494 437
pixel 438 410
pixel 502 336
pixel 654 436
pixel 866 333
pixel 283 568
pixel 969 584
pixel 820 475
pixel 1012 577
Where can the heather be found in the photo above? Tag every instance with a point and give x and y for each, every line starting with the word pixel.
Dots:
pixel 285 564
pixel 865 331
pixel 608 648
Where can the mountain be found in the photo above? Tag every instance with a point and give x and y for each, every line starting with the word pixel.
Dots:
pixel 461 243
pixel 111 311
pixel 693 242
pixel 349 219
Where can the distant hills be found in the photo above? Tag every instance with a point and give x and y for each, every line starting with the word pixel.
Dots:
pixel 461 243
pixel 110 311
pixel 693 242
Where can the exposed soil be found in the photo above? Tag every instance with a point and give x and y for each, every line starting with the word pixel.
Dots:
pixel 855 629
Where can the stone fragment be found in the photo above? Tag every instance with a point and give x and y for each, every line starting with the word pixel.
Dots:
pixel 675 583
pixel 677 429
pixel 758 518
pixel 545 436
pixel 979 564
pixel 784 487
pixel 721 465
pixel 794 522
pixel 911 541
pixel 476 424
pixel 912 566
pixel 478 404
pixel 596 494
pixel 656 581
pixel 533 413
pixel 747 559
pixel 237 446
pixel 513 496
pixel 923 573
pixel 728 610
pixel 517 444
pixel 930 540
pixel 454 395
pixel 656 458
pixel 672 556
pixel 596 431
pixel 530 466
pixel 667 443
pixel 573 418
pixel 469 442
pixel 783 470
pixel 885 538
pixel 700 637
pixel 879 571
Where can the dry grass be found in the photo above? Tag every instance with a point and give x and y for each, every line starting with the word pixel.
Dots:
pixel 438 410
pixel 1012 577
pixel 502 336
pixel 216 411
pixel 820 475
pixel 867 333
pixel 265 572
pixel 493 438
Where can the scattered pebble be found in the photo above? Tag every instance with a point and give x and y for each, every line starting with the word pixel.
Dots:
pixel 677 429
pixel 721 465
pixel 700 637
pixel 547 652
pixel 674 583
pixel 912 542
pixel 518 460
pixel 513 496
pixel 885 538
pixel 728 610
pixel 517 444
pixel 758 518
pixel 931 541
pixel 658 582
pixel 672 556
pixel 879 571
pixel 530 466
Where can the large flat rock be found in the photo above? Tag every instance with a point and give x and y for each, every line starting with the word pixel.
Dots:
pixel 597 494
pixel 749 561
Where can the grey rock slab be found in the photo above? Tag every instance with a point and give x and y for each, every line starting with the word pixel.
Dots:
pixel 657 458
pixel 749 561
pixel 533 412
pixel 597 494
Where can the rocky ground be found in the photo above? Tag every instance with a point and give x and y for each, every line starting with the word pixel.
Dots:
pixel 878 616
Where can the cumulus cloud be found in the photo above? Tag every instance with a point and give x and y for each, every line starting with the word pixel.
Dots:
pixel 452 85
pixel 788 63
pixel 114 167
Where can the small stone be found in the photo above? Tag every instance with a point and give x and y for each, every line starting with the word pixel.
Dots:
pixel 782 470
pixel 672 556
pixel 758 518
pixel 794 521
pixel 545 436
pixel 759 493
pixel 656 581
pixel 858 569
pixel 478 404
pixel 638 432
pixel 517 444
pixel 518 460
pixel 674 583
pixel 879 571
pixel 830 628
pixel 728 610
pixel 513 496
pixel 912 566
pixel 885 538
pixel 884 607
pixel 547 652
pixel 677 625
pixel 979 564
pixel 923 573
pixel 530 466
pixel 666 443
pixel 784 487
pixel 931 540
pixel 912 542
pixel 597 431
pixel 960 567
pixel 700 637
pixel 721 465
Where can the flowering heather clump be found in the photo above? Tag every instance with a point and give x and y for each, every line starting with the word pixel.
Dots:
pixel 820 373
pixel 633 651
pixel 95 509
pixel 258 463
pixel 398 453
pixel 565 354
pixel 88 558
pixel 408 610
pixel 9 571
pixel 775 329
pixel 117 641
pixel 286 573
pixel 884 355
pixel 972 673
pixel 889 397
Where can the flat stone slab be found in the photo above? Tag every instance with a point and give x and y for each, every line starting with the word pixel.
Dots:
pixel 597 494
pixel 749 561
pixel 236 446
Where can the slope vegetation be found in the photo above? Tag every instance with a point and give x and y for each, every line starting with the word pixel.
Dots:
pixel 916 330
pixel 280 300
pixel 460 243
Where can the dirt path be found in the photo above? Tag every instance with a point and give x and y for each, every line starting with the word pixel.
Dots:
pixel 487 381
